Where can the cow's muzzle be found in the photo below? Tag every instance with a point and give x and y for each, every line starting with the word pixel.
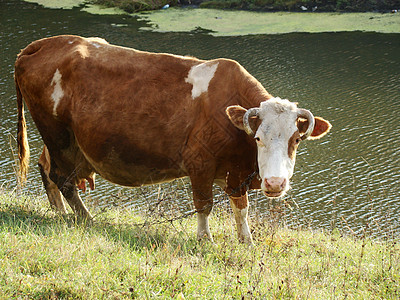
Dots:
pixel 275 187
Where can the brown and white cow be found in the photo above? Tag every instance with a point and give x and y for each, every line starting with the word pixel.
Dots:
pixel 140 118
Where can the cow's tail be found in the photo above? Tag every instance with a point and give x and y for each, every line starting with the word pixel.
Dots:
pixel 22 139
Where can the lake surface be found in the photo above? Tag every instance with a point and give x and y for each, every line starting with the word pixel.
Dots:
pixel 350 179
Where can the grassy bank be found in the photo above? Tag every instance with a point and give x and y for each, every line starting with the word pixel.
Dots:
pixel 131 6
pixel 226 22
pixel 47 256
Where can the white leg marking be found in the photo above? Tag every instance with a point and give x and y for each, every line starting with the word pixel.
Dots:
pixel 58 92
pixel 203 228
pixel 200 76
pixel 242 225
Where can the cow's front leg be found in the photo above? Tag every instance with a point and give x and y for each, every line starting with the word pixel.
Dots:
pixel 203 208
pixel 203 202
pixel 240 207
pixel 203 227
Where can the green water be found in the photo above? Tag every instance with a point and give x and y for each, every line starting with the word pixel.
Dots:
pixel 348 179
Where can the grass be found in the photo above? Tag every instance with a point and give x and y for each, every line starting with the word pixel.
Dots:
pixel 44 255
pixel 311 5
pixel 131 6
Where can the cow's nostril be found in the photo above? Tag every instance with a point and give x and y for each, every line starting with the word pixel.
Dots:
pixel 283 184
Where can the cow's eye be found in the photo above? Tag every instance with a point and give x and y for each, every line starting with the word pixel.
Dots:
pixel 298 140
pixel 257 138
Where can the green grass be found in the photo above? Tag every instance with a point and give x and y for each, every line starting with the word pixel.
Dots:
pixel 44 255
pixel 132 6
pixel 259 5
pixel 295 5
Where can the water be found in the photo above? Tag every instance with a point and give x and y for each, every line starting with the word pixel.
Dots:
pixel 349 179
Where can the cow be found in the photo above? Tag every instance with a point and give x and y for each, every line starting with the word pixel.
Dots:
pixel 139 118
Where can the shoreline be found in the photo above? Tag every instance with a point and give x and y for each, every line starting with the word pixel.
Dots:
pixel 317 6
pixel 338 6
pixel 237 22
pixel 224 22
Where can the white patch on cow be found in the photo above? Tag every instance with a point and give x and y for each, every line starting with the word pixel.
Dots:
pixel 82 50
pixel 97 42
pixel 96 45
pixel 70 42
pixel 200 76
pixel 58 92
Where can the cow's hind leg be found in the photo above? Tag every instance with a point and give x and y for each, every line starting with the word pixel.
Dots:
pixel 69 190
pixel 52 191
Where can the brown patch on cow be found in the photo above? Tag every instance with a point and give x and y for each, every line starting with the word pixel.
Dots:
pixel 321 128
pixel 240 202
pixel 293 143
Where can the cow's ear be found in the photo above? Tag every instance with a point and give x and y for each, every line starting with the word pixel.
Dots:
pixel 321 127
pixel 235 114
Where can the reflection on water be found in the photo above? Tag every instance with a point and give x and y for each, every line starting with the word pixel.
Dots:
pixel 349 179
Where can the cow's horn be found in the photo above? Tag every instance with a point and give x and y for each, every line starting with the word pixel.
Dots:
pixel 252 112
pixel 306 114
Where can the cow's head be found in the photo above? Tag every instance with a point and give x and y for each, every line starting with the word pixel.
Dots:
pixel 278 126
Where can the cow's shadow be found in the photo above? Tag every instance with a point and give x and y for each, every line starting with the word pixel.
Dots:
pixel 134 234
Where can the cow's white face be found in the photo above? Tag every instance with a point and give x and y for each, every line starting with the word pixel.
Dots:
pixel 277 139
pixel 279 127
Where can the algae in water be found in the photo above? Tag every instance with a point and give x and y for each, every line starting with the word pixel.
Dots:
pixel 85 6
pixel 234 23
pixel 66 4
